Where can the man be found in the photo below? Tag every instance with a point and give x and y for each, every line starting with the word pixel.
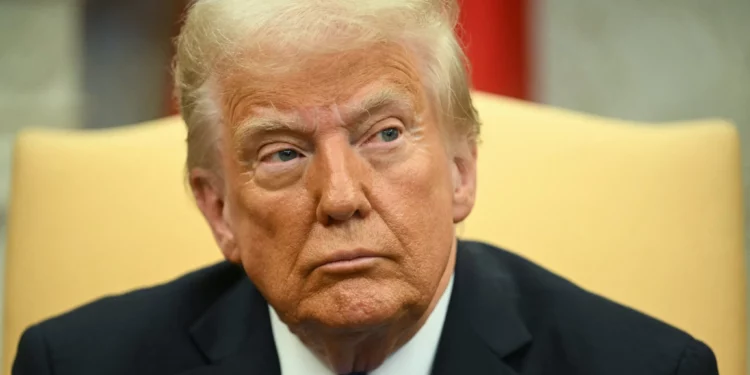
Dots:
pixel 332 149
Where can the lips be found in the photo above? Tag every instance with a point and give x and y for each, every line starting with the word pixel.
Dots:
pixel 345 259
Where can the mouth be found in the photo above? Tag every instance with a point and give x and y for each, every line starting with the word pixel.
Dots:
pixel 349 261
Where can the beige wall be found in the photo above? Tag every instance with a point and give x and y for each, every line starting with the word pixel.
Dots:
pixel 648 60
pixel 39 68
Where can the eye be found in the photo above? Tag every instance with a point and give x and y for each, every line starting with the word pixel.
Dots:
pixel 389 135
pixel 284 155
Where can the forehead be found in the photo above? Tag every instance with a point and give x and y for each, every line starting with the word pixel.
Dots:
pixel 319 81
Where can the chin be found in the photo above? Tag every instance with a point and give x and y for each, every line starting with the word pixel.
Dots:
pixel 357 304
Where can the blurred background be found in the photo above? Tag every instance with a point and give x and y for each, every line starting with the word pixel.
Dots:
pixel 105 63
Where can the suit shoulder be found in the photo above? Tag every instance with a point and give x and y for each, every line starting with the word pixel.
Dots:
pixel 139 321
pixel 191 292
pixel 567 318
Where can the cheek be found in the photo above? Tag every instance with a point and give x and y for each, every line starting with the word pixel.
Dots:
pixel 270 230
pixel 265 222
pixel 415 200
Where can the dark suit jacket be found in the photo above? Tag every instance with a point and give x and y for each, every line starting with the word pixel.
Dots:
pixel 506 316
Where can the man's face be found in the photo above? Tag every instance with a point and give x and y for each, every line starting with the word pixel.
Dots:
pixel 339 189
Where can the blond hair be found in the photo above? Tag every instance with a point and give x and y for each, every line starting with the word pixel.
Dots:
pixel 275 35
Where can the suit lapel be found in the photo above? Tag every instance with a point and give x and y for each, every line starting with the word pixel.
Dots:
pixel 483 331
pixel 235 335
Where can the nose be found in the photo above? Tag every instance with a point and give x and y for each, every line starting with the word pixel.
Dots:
pixel 340 176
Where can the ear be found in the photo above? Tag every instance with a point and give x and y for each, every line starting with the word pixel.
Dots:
pixel 208 190
pixel 464 168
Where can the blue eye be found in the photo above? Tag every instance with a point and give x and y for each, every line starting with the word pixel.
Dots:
pixel 286 155
pixel 389 135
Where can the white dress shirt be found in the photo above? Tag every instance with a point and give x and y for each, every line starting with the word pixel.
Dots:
pixel 414 358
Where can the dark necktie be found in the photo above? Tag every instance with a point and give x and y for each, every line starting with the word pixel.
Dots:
pixel 358 373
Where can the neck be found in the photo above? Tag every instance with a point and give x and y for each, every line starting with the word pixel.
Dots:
pixel 367 349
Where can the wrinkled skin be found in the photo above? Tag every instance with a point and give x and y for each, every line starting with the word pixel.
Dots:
pixel 308 172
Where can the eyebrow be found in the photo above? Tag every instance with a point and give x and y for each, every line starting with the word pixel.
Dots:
pixel 352 114
pixel 388 97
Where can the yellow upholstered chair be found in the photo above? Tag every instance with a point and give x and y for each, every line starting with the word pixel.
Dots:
pixel 648 216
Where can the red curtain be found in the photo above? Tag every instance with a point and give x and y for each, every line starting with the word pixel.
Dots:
pixel 495 36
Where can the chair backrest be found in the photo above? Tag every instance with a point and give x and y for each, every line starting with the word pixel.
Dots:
pixel 94 213
pixel 648 216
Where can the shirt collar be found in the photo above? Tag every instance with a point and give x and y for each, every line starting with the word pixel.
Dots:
pixel 415 357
